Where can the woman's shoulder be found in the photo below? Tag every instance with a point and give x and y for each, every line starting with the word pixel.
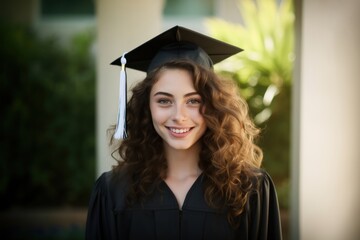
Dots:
pixel 263 208
pixel 263 175
pixel 264 189
pixel 261 179
pixel 112 184
pixel 106 179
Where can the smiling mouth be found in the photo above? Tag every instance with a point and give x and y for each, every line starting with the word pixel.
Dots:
pixel 179 130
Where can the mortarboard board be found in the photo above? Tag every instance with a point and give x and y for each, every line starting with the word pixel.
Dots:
pixel 176 43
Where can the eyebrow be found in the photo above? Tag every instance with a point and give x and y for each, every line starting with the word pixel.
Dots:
pixel 170 95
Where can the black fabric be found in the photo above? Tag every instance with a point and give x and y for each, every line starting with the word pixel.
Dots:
pixel 180 50
pixel 160 218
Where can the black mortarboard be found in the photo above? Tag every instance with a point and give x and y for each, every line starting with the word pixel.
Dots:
pixel 175 43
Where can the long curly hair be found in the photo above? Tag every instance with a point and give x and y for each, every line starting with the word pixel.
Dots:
pixel 228 157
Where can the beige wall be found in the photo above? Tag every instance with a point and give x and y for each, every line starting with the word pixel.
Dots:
pixel 228 10
pixel 329 117
pixel 121 26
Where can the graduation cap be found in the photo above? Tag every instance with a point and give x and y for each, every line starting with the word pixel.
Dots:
pixel 176 43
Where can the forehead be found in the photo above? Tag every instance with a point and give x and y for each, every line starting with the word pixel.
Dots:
pixel 173 81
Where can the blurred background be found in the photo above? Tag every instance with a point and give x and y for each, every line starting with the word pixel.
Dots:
pixel 298 74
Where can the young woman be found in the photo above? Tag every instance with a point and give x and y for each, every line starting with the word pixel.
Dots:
pixel 190 168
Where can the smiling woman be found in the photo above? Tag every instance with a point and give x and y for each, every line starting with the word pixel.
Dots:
pixel 190 168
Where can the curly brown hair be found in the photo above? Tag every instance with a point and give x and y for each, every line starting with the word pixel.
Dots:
pixel 228 158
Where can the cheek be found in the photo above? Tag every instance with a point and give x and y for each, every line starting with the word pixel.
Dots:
pixel 158 115
pixel 197 115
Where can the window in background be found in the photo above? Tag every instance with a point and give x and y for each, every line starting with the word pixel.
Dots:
pixel 189 8
pixel 67 8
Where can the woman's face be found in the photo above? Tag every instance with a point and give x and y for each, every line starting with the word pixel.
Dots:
pixel 176 110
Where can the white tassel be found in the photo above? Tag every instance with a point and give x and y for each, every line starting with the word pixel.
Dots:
pixel 120 131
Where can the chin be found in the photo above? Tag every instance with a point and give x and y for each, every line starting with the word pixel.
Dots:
pixel 181 146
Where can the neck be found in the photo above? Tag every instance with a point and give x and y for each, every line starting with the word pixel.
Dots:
pixel 183 163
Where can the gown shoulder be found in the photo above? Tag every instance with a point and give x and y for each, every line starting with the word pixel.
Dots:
pixel 108 195
pixel 262 210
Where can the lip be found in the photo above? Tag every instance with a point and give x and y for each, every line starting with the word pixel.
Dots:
pixel 179 132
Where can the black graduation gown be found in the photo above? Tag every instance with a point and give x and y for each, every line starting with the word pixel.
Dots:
pixel 160 218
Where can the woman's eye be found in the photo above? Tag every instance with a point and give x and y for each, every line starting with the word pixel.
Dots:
pixel 164 101
pixel 194 101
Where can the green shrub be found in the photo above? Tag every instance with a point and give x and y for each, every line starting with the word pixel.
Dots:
pixel 47 147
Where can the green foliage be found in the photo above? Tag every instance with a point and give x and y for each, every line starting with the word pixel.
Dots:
pixel 47 147
pixel 263 72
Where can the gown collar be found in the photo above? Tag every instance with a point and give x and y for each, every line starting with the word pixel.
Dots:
pixel 164 199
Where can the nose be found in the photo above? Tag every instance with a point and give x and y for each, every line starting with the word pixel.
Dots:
pixel 179 113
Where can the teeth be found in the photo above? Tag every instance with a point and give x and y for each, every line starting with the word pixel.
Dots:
pixel 177 130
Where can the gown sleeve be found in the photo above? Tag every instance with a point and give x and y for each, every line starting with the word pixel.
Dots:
pixel 265 214
pixel 100 222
